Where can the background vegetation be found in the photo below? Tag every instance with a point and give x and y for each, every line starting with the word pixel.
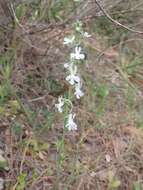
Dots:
pixel 106 152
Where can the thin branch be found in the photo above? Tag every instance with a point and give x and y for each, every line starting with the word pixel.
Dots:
pixel 115 21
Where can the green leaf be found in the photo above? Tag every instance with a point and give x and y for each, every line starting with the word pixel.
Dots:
pixel 3 162
pixel 137 186
pixel 21 10
pixel 102 91
pixel 116 183
pixel 21 181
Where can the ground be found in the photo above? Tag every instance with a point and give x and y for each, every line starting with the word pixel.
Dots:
pixel 106 152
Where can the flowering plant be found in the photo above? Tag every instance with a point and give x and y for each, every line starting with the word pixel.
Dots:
pixel 73 78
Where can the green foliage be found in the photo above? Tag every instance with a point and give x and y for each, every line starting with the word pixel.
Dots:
pixel 21 180
pixel 3 163
pixel 54 87
pixel 134 66
pixel 102 91
pixel 37 146
pixel 49 119
pixel 6 64
pixel 113 182
pixel 130 94
pixel 5 92
pixel 16 128
pixel 137 186
pixel 21 10
pixel 106 28
pixel 59 10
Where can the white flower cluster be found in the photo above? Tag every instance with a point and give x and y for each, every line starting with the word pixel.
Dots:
pixel 70 125
pixel 73 77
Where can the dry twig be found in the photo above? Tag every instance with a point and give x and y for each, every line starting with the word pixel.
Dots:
pixel 115 21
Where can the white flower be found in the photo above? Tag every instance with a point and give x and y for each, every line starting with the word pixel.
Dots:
pixel 66 65
pixel 71 125
pixel 68 40
pixel 60 105
pixel 78 92
pixel 86 34
pixel 77 54
pixel 73 78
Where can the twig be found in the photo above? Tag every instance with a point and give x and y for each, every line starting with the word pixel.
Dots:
pixel 115 21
